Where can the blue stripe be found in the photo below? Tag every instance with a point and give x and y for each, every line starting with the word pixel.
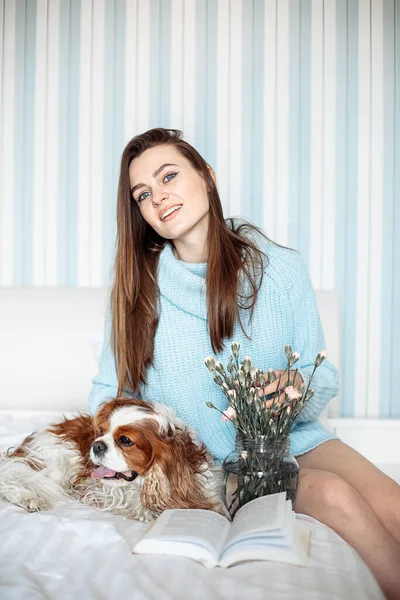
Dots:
pixel 341 174
pixel 114 139
pixel 160 63
pixel 201 79
pixel 210 125
pixel 347 190
pixel 257 109
pixel 294 123
pixel 247 193
pixel 387 312
pixel 70 11
pixel 206 80
pixel 252 110
pixel 305 130
pixel 395 407
pixel 25 49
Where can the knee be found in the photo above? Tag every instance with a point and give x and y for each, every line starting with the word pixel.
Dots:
pixel 321 491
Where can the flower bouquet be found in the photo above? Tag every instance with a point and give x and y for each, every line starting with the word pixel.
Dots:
pixel 261 463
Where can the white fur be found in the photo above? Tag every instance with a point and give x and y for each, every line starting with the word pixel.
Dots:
pixel 57 480
pixel 112 458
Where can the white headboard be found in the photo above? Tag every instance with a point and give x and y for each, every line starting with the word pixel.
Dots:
pixel 46 358
pixel 45 353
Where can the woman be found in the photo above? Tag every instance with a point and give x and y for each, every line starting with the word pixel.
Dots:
pixel 163 321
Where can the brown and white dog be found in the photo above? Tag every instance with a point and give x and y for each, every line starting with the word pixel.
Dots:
pixel 132 458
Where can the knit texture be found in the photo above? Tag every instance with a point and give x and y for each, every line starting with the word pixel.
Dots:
pixel 285 313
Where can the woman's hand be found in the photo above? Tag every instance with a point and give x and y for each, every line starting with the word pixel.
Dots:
pixel 271 388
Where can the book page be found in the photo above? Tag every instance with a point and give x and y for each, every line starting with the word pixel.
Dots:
pixel 294 553
pixel 198 526
pixel 263 514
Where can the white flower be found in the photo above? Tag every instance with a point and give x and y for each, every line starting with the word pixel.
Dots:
pixel 292 393
pixel 210 363
pixel 246 364
pixel 294 358
pixel 241 377
pixel 235 347
pixel 232 395
pixel 229 414
pixel 219 367
pixel 288 351
pixel 320 358
pixel 218 380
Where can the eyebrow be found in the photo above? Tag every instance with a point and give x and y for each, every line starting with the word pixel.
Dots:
pixel 156 172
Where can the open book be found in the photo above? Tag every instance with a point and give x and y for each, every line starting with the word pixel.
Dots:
pixel 264 529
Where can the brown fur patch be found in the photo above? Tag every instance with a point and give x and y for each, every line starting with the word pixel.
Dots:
pixel 103 414
pixel 181 462
pixel 23 452
pixel 139 456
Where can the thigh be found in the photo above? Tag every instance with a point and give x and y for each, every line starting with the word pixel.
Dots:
pixel 376 488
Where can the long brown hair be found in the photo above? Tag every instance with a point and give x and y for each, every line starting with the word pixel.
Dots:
pixel 232 259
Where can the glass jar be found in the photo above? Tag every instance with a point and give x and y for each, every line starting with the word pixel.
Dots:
pixel 259 465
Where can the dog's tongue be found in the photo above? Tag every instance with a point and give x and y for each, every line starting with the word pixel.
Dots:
pixel 103 472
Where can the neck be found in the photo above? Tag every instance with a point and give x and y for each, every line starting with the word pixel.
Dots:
pixel 192 248
pixel 190 255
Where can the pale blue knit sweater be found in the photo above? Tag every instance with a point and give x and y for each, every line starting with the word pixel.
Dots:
pixel 285 313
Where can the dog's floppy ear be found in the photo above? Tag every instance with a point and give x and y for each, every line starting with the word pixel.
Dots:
pixel 176 478
pixel 79 431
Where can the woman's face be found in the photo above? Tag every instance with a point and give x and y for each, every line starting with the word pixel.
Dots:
pixel 161 180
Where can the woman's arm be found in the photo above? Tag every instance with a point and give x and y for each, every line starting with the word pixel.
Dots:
pixel 308 340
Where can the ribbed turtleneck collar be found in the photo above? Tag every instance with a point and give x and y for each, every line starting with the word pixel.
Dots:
pixel 182 283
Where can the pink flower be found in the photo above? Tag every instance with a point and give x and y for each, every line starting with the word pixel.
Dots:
pixel 292 393
pixel 229 414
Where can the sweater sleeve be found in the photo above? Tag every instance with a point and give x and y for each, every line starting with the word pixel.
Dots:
pixel 308 341
pixel 105 383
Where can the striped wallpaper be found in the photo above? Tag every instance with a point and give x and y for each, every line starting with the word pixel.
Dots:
pixel 294 103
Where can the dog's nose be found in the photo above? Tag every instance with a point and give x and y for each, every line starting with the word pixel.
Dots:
pixel 99 447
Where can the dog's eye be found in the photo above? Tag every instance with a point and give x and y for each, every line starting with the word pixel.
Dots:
pixel 125 441
pixel 100 431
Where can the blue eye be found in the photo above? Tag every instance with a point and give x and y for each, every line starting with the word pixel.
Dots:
pixel 170 175
pixel 141 196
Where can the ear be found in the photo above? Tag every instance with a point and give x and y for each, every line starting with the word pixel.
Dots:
pixel 80 432
pixel 156 492
pixel 177 478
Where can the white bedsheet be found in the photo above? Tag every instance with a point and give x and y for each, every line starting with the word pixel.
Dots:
pixel 77 553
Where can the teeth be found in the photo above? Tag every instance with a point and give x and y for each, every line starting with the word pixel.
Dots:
pixel 171 210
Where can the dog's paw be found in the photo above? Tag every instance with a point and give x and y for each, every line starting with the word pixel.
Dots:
pixel 30 504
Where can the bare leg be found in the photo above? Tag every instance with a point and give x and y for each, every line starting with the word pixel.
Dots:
pixel 330 499
pixel 380 491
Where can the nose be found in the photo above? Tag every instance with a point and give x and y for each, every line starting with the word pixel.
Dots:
pixel 99 448
pixel 159 197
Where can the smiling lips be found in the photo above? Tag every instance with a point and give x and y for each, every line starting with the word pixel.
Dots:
pixel 171 210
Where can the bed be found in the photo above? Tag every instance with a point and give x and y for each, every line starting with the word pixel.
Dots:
pixel 48 346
